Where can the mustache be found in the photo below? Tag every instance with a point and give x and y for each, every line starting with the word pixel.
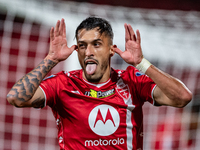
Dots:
pixel 90 58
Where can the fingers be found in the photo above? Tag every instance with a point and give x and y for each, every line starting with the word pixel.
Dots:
pixel 132 33
pixel 117 50
pixel 138 37
pixel 56 30
pixel 52 34
pixel 60 28
pixel 129 33
pixel 73 47
pixel 64 28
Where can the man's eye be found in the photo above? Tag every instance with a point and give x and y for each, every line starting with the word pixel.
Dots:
pixel 96 44
pixel 81 46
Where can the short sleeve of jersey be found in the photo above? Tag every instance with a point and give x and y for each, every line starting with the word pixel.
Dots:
pixel 48 85
pixel 143 84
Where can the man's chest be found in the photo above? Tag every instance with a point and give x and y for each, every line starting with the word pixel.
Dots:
pixel 100 116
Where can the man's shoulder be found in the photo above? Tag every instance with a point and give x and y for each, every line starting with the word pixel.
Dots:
pixel 61 74
pixel 74 73
pixel 129 69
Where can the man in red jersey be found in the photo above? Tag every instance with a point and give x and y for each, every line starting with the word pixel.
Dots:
pixel 98 107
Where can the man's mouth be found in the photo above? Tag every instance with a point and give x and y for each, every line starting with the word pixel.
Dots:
pixel 91 66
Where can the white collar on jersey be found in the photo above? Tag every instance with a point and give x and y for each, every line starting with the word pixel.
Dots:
pixel 97 85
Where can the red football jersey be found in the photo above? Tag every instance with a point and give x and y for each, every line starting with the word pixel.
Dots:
pixel 99 116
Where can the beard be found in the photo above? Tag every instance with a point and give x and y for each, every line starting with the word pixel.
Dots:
pixel 97 76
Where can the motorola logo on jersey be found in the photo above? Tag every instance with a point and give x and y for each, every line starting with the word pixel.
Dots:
pixel 104 120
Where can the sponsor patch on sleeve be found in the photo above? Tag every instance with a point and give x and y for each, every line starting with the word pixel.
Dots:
pixel 139 74
pixel 51 76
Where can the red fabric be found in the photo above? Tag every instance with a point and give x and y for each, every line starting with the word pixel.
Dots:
pixel 74 100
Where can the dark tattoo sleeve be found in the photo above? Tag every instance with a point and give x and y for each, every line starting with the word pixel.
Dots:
pixel 25 88
pixel 38 103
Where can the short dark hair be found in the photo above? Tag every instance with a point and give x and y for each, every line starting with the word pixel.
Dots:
pixel 95 22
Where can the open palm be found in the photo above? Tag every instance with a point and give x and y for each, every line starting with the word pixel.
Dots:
pixel 59 50
pixel 133 52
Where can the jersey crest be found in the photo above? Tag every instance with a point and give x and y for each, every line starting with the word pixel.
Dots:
pixel 123 89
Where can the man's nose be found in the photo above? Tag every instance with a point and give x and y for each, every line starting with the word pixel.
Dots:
pixel 89 51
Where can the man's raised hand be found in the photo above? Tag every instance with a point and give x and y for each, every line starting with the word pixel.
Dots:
pixel 59 50
pixel 133 52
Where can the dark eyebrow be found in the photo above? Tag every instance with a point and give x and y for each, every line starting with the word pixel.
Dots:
pixel 96 40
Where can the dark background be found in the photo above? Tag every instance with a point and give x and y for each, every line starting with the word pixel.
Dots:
pixel 185 5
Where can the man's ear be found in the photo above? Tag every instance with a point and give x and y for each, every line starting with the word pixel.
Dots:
pixel 112 52
pixel 76 48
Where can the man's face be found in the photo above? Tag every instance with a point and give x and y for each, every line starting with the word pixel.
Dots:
pixel 94 52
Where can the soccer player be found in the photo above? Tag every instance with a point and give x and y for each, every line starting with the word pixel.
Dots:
pixel 98 107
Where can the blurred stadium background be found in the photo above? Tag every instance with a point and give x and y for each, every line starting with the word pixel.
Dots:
pixel 170 33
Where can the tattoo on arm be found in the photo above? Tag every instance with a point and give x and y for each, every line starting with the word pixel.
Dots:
pixel 38 103
pixel 25 88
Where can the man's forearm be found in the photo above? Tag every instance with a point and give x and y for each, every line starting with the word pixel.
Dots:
pixel 178 94
pixel 25 88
